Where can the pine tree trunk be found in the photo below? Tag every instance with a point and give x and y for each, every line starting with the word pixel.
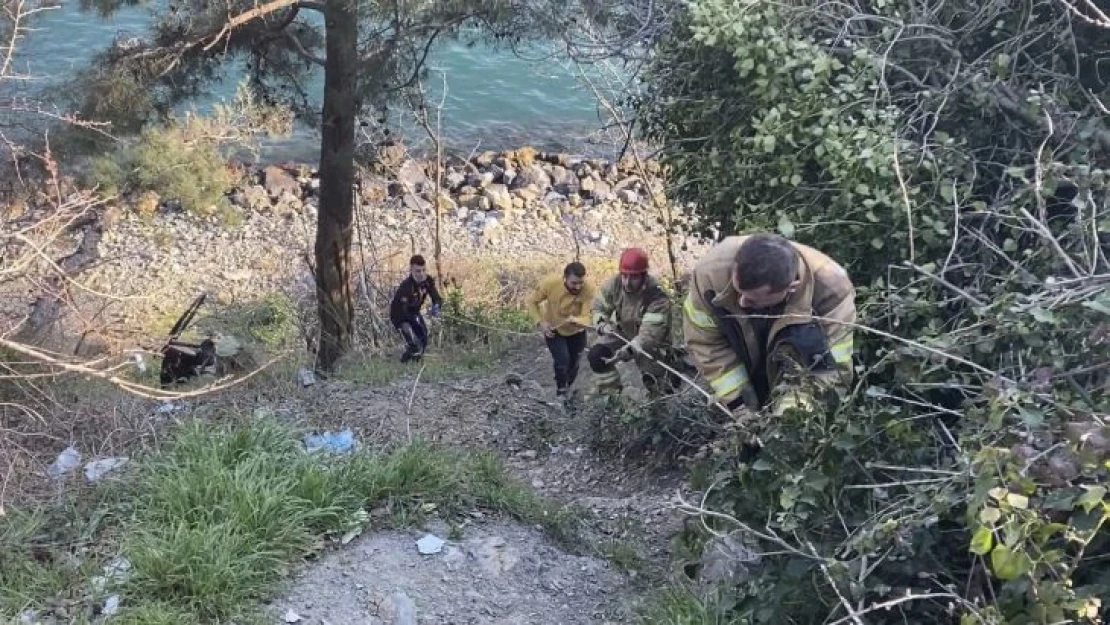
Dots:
pixel 337 175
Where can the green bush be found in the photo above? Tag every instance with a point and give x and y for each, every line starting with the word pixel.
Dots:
pixel 964 478
pixel 167 161
pixel 182 160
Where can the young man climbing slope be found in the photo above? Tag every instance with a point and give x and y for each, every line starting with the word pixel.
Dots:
pixel 632 314
pixel 751 310
pixel 561 306
pixel 404 310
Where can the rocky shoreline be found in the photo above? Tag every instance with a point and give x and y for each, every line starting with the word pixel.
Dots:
pixel 499 208
pixel 487 193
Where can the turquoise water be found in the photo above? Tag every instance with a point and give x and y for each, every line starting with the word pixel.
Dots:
pixel 494 99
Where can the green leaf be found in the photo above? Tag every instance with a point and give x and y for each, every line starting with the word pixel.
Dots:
pixel 818 482
pixel 989 516
pixel 1033 417
pixel 1091 498
pixel 1008 564
pixel 1045 532
pixel 768 143
pixel 795 180
pixel 762 465
pixel 982 541
pixel 1042 315
pixel 998 493
pixel 1020 502
pixel 1102 304
pixel 1060 500
pixel 1009 245
pixel 786 227
pixel 746 65
pixel 789 496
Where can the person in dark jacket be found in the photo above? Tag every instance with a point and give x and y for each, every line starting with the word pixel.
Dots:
pixel 404 310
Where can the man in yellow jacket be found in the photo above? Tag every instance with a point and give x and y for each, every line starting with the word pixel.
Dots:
pixel 561 306
pixel 759 304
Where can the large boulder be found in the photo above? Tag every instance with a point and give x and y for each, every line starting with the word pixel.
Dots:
pixel 277 181
pixel 499 197
pixel 532 174
pixel 389 156
pixel 412 177
pixel 564 181
pixel 253 198
pixel 597 190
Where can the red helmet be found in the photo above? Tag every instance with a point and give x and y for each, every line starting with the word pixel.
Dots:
pixel 634 261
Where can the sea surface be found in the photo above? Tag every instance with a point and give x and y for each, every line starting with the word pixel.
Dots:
pixel 494 98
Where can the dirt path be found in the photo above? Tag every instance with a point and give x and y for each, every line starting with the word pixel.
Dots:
pixel 496 571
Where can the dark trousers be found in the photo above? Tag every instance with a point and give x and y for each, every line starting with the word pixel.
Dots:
pixel 566 351
pixel 415 333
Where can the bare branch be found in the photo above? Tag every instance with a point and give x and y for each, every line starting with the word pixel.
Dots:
pixel 299 47
pixel 1081 7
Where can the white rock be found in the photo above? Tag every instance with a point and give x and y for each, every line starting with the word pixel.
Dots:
pixel 111 606
pixel 430 544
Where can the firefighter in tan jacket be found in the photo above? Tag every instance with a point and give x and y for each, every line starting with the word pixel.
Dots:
pixel 755 304
pixel 632 314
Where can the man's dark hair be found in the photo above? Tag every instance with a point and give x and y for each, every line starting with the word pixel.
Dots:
pixel 766 260
pixel 417 260
pixel 576 269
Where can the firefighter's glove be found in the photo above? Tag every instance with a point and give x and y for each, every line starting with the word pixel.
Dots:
pixel 793 399
pixel 630 349
pixel 604 327
pixel 434 311
pixel 743 417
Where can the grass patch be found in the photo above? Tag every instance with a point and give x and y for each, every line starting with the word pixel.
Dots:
pixel 47 553
pixel 623 556
pixel 223 511
pixel 26 572
pixel 438 366
pixel 677 605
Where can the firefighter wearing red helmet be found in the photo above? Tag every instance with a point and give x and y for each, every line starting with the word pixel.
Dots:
pixel 633 306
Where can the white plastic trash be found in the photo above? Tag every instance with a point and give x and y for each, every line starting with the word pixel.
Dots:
pixel 66 461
